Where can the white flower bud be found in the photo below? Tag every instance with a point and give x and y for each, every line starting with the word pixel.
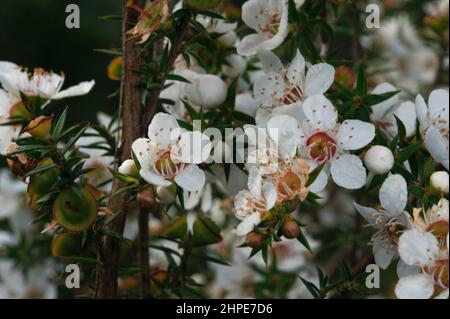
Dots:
pixel 379 160
pixel 236 66
pixel 207 90
pixel 229 39
pixel 166 195
pixel 128 167
pixel 439 181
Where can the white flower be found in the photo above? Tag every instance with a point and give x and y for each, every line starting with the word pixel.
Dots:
pixel 245 103
pixel 169 155
pixel 285 88
pixel 269 18
pixel 46 85
pixel 235 65
pixel 379 160
pixel 425 248
pixel 250 204
pixel 390 220
pixel 434 124
pixel 439 181
pixel 384 113
pixel 323 140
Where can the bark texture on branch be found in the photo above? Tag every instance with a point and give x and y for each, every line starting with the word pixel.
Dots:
pixel 131 112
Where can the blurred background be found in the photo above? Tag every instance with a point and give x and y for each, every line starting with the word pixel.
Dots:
pixel 33 34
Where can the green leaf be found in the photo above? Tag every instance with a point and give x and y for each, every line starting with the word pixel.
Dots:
pixel 40 170
pixel 408 151
pixel 211 259
pixel 124 178
pixel 361 83
pixel 401 129
pixel 313 290
pixel 176 77
pixel 73 140
pixel 59 126
pixel 314 174
pixel 372 99
pixel 302 239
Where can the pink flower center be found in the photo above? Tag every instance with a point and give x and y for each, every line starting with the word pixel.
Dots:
pixel 321 147
pixel 167 167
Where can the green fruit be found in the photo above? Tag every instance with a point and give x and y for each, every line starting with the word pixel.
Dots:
pixel 206 232
pixel 75 210
pixel 202 4
pixel 66 245
pixel 41 183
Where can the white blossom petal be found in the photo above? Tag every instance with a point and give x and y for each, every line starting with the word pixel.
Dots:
pixel 355 134
pixel 320 113
pixel 348 172
pixel 418 286
pixel 153 178
pixel 163 130
pixel 437 145
pixel 248 224
pixel 191 179
pixel 418 247
pixel 76 90
pixel 319 78
pixel 394 194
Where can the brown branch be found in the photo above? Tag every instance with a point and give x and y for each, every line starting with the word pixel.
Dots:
pixel 109 248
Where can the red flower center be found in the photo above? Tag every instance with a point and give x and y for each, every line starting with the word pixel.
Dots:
pixel 321 147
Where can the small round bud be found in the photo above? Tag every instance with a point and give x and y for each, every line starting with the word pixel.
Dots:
pixel 290 229
pixel 254 240
pixel 166 195
pixel 345 76
pixel 379 160
pixel 146 198
pixel 439 181
pixel 128 167
pixel 40 127
pixel 207 90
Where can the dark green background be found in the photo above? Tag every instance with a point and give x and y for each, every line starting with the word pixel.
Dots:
pixel 33 34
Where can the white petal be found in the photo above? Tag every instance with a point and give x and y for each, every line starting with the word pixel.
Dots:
pixel 269 89
pixel 191 179
pixel 382 253
pixel 245 103
pixel 270 62
pixel 284 130
pixel 371 215
pixel 437 145
pixel 250 44
pixel 438 104
pixel 80 89
pixel 381 110
pixel 319 78
pixel 442 295
pixel 248 224
pixel 417 286
pixel 406 112
pixel 163 130
pixel 418 247
pixel 296 71
pixel 270 195
pixel 348 172
pixel 422 111
pixel 320 113
pixel 145 152
pixel 194 147
pixel 255 182
pixel 403 269
pixel 355 134
pixel 321 180
pixel 394 194
pixel 153 178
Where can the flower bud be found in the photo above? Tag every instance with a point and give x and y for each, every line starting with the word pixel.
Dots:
pixel 254 240
pixel 146 198
pixel 166 195
pixel 439 181
pixel 128 167
pixel 345 76
pixel 202 4
pixel 205 232
pixel 19 110
pixel 40 127
pixel 379 160
pixel 290 229
pixel 206 90
pixel 114 70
